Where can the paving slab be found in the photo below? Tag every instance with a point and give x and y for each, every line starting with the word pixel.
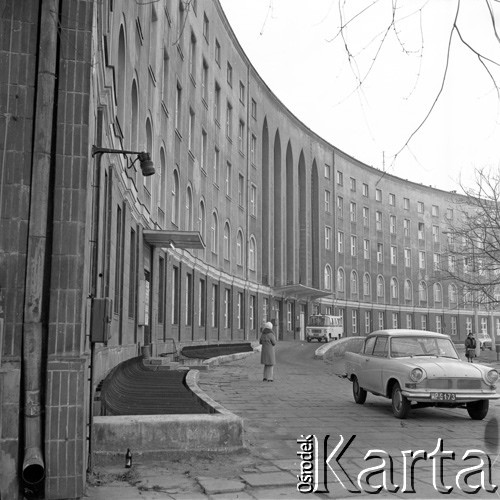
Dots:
pixel 240 495
pixel 257 480
pixel 215 485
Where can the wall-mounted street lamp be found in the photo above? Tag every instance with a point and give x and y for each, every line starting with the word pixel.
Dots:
pixel 147 166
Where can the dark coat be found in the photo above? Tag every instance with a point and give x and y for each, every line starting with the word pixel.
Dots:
pixel 268 341
pixel 470 347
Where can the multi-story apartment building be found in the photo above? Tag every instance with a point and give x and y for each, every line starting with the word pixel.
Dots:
pixel 249 216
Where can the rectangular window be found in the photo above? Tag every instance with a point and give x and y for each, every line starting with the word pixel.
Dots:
pixel 204 82
pixel 253 149
pixel 239 311
pixel 164 91
pixel 253 200
pixel 327 201
pixel 217 52
pixel 380 251
pixel 406 227
pixel 202 301
pixel 206 25
pixel 241 136
pixel 378 194
pixel 340 178
pixel 378 220
pixel 229 120
pixel 368 322
pixel 421 259
pixel 327 171
pixel 423 322
pixel 227 308
pixel 365 190
pixel 354 245
pixel 451 263
pixel 407 257
pixel 189 299
pixel 340 242
pixel 380 320
pixel 438 324
pixel 435 234
pixel 214 313
pixel 392 224
pixel 352 211
pixel 449 213
pixel 353 184
pixel 435 211
pixel 328 237
pixel 420 207
pixel 192 57
pixel 265 309
pixel 118 261
pixel 394 255
pixel 203 159
pixel 395 320
pixel 453 325
pixel 229 75
pixel 228 179
pixel 175 295
pixel 161 290
pixel 241 190
pixel 437 261
pixel 217 103
pixel 132 275
pixel 392 200
pixel 242 93
pixel 191 130
pixel 340 206
pixel 216 166
pixel 251 312
pixel 366 249
pixel 178 107
pixel 406 203
pixel 254 109
pixel 354 326
pixel 421 229
pixel 366 217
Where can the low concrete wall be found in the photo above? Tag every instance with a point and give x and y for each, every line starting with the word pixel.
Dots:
pixel 157 437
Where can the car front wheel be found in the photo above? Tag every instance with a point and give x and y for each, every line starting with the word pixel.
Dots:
pixel 478 409
pixel 400 404
pixel 358 392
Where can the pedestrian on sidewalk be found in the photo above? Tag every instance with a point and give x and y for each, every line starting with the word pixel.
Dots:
pixel 470 347
pixel 267 357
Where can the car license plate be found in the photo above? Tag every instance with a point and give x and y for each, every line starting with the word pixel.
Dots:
pixel 443 396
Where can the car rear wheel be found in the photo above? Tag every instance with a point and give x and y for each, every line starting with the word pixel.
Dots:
pixel 400 404
pixel 477 410
pixel 358 392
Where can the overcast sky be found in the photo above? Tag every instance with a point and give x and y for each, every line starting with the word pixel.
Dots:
pixel 292 44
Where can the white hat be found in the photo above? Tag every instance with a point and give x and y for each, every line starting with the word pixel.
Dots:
pixel 268 325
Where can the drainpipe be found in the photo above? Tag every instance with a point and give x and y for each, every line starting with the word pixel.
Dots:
pixel 38 249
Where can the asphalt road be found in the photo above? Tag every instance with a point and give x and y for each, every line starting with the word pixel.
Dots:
pixel 308 398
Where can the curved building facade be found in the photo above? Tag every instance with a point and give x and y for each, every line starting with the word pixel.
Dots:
pixel 249 217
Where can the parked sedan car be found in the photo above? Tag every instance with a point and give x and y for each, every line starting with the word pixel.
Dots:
pixel 416 369
pixel 484 340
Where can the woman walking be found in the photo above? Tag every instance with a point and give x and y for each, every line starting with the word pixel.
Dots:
pixel 470 347
pixel 267 358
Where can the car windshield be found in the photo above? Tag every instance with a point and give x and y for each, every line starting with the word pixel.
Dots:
pixel 422 346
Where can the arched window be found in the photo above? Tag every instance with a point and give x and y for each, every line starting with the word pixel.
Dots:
pixel 408 291
pixel 201 219
pixel 189 209
pixel 328 277
pixel 239 248
pixel 134 118
pixel 227 241
pixel 162 181
pixel 251 254
pixel 214 233
pixel 120 80
pixel 149 147
pixel 340 280
pixel 366 285
pixel 438 294
pixel 380 286
pixel 354 283
pixel 175 199
pixel 394 288
pixel 452 293
pixel 422 291
pixel 467 296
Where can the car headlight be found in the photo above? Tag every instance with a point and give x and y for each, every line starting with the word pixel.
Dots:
pixel 492 376
pixel 417 374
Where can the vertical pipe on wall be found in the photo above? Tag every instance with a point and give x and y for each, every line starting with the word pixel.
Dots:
pixel 38 253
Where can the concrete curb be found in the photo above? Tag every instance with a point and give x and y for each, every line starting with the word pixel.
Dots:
pixel 218 360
